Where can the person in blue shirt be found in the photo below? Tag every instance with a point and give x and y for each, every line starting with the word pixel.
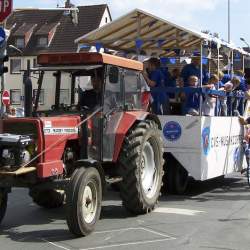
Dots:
pixel 241 75
pixel 166 75
pixel 239 103
pixel 155 80
pixel 225 77
pixel 221 83
pixel 221 104
pixel 192 103
pixel 193 69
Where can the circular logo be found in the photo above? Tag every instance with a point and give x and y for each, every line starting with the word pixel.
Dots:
pixel 206 140
pixel 172 131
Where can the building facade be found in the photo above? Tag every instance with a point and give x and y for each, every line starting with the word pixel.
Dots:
pixel 35 31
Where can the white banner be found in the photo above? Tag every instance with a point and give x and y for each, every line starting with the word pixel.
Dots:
pixel 207 147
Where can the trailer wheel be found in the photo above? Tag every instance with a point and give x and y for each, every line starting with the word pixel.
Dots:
pixel 3 204
pixel 83 203
pixel 176 178
pixel 141 166
pixel 50 198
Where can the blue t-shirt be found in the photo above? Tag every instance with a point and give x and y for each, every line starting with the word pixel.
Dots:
pixel 242 86
pixel 192 102
pixel 226 78
pixel 168 80
pixel 158 78
pixel 192 70
pixel 166 76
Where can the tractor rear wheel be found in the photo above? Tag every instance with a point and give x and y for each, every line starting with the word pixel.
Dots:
pixel 84 197
pixel 49 198
pixel 141 166
pixel 3 204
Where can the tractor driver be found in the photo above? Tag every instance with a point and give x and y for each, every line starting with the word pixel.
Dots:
pixel 92 97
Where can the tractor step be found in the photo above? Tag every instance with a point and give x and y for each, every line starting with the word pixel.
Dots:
pixel 20 171
pixel 111 180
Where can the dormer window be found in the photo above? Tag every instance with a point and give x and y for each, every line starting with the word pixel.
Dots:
pixel 45 34
pixel 23 34
pixel 42 41
pixel 20 43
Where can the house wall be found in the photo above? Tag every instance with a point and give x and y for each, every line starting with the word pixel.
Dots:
pixel 15 81
pixel 106 18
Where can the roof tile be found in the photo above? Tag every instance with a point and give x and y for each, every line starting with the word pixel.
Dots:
pixel 66 33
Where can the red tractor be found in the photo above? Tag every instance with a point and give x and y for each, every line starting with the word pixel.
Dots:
pixel 68 154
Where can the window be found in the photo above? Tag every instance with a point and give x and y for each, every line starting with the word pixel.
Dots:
pixel 35 66
pixel 20 43
pixel 34 63
pixel 42 42
pixel 132 89
pixel 106 20
pixel 41 97
pixel 113 96
pixel 28 64
pixel 15 66
pixel 15 96
pixel 64 96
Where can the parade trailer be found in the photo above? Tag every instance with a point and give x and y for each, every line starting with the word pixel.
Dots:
pixel 198 147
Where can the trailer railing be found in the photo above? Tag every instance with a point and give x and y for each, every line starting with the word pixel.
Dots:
pixel 234 100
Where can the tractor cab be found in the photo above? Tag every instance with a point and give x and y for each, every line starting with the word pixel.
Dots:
pixel 98 79
pixel 102 84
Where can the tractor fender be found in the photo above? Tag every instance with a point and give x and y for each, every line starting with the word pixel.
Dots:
pixel 127 121
pixel 155 118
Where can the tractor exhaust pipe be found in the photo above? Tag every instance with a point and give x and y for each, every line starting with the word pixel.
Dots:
pixel 28 97
pixel 27 92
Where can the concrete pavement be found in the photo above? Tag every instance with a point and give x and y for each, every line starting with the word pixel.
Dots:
pixel 212 215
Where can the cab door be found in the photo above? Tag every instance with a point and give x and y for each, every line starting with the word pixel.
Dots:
pixel 122 93
pixel 113 106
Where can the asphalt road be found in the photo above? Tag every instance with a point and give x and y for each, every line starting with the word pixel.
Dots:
pixel 212 215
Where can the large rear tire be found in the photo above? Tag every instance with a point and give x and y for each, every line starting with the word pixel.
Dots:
pixel 3 204
pixel 50 198
pixel 83 203
pixel 141 166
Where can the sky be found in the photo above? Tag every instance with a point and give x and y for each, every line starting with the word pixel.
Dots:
pixel 199 15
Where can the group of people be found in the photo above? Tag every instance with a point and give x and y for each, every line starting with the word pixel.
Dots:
pixel 192 102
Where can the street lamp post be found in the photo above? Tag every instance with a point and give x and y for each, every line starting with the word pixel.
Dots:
pixel 244 41
pixel 248 50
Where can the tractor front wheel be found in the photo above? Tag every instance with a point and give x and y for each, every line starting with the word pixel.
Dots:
pixel 83 203
pixel 141 166
pixel 3 203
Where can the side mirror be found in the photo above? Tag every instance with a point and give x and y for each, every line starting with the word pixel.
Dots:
pixel 113 75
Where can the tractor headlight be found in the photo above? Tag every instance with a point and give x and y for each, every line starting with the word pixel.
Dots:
pixel 25 156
